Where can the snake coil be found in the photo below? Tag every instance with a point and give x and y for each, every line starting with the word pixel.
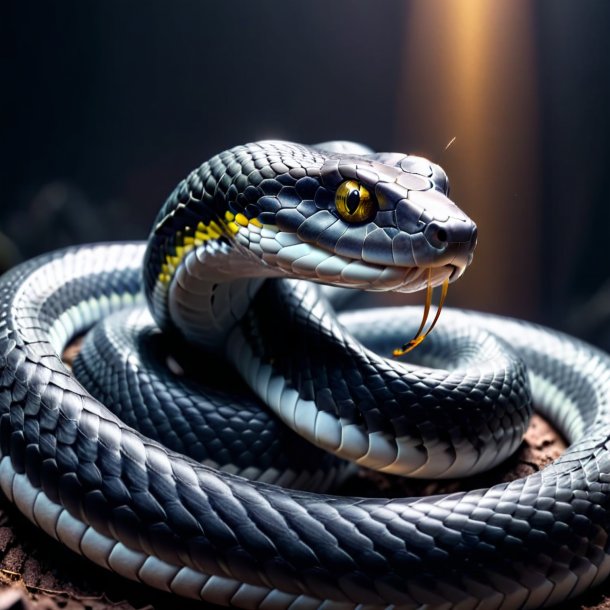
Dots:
pixel 333 214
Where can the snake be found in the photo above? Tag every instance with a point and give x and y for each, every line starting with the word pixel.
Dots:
pixel 233 275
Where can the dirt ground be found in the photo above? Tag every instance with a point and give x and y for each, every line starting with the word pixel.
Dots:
pixel 38 573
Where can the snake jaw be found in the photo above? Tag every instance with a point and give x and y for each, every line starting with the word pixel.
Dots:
pixel 303 260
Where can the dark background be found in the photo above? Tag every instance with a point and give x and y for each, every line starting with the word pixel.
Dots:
pixel 105 106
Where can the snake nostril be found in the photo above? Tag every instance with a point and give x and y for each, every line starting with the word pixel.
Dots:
pixel 437 236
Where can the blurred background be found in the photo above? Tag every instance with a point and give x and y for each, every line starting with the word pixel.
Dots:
pixel 107 105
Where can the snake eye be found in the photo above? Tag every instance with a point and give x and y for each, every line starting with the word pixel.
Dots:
pixel 354 202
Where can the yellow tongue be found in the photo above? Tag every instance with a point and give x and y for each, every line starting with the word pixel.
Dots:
pixel 420 335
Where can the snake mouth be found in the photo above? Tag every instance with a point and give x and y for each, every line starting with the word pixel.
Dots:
pixel 284 253
pixel 308 261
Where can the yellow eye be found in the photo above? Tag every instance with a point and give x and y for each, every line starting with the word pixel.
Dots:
pixel 354 202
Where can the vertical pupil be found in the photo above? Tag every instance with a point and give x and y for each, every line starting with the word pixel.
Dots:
pixel 353 200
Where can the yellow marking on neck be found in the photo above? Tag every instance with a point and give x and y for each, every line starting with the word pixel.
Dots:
pixel 186 241
pixel 192 238
pixel 242 220
pixel 234 222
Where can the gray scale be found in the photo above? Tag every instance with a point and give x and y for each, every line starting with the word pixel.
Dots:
pixel 124 364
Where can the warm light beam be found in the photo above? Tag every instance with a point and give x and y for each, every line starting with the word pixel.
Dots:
pixel 469 79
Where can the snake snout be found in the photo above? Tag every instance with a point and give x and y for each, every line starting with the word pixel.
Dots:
pixel 452 242
pixel 442 235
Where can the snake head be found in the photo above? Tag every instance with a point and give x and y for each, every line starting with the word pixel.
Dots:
pixel 374 221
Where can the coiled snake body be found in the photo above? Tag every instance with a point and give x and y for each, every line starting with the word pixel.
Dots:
pixel 279 210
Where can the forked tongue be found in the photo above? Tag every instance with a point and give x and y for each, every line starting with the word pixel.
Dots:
pixel 420 335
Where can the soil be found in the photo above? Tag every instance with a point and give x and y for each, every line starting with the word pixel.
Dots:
pixel 38 573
